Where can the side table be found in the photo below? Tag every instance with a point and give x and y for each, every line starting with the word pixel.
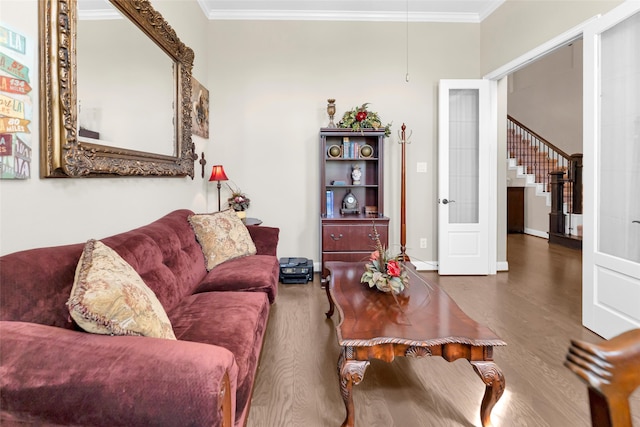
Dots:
pixel 252 221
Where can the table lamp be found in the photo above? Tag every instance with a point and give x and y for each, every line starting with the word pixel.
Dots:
pixel 217 174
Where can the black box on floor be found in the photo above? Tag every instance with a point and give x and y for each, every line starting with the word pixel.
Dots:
pixel 296 270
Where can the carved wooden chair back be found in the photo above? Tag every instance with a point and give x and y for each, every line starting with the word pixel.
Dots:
pixel 611 370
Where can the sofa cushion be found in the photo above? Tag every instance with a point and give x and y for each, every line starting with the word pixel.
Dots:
pixel 166 255
pixel 265 238
pixel 251 273
pixel 35 285
pixel 233 320
pixel 222 236
pixel 109 297
pixel 56 377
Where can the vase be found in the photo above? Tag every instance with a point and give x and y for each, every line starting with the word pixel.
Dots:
pixel 241 214
pixel 331 110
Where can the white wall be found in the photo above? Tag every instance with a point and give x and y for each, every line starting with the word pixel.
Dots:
pixel 516 28
pixel 42 212
pixel 519 26
pixel 546 96
pixel 269 84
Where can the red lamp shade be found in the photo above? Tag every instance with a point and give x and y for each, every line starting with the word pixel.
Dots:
pixel 217 174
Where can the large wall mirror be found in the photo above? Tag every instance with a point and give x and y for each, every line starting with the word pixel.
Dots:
pixel 115 92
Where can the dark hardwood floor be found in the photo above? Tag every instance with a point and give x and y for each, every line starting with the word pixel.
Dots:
pixel 535 308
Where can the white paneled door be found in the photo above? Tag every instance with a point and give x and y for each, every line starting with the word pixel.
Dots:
pixel 466 178
pixel 611 243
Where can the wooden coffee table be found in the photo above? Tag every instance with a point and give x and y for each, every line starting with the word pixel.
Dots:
pixel 423 322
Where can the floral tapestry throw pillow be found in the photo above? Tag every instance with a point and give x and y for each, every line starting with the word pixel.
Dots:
pixel 109 297
pixel 222 236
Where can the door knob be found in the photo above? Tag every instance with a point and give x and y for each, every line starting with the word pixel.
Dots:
pixel 445 201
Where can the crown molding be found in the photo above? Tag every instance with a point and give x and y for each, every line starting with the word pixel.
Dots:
pixel 347 15
pixel 490 8
pixel 334 15
pixel 318 15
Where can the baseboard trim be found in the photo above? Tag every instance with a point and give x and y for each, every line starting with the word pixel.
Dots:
pixel 430 266
pixel 425 265
pixel 502 266
pixel 536 233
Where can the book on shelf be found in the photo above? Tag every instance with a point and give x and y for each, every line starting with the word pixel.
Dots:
pixel 329 203
pixel 350 149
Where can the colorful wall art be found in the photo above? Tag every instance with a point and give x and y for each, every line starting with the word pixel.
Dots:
pixel 16 107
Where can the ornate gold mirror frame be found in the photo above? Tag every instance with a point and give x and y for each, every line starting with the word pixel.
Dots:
pixel 62 154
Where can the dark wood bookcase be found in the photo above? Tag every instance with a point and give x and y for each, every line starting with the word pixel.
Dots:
pixel 350 236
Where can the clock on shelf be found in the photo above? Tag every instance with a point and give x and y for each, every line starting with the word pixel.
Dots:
pixel 349 204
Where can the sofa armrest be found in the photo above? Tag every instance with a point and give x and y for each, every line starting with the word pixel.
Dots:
pixel 50 375
pixel 265 239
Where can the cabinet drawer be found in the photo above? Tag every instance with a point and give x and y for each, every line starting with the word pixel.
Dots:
pixel 352 237
pixel 346 256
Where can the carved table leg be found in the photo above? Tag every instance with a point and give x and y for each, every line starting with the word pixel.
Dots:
pixel 330 312
pixel 492 376
pixel 350 373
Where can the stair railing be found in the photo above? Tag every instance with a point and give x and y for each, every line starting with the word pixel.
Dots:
pixel 541 158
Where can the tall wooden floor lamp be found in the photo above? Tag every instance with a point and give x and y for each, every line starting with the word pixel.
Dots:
pixel 403 194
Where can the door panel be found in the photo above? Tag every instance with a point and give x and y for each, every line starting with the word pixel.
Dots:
pixel 463 243
pixel 611 245
pixel 463 177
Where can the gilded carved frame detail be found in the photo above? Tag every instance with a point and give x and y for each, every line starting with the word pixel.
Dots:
pixel 62 154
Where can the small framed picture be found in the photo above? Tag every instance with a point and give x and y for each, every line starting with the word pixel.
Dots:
pixel 199 109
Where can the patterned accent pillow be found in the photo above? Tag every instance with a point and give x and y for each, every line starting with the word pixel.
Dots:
pixel 109 297
pixel 222 236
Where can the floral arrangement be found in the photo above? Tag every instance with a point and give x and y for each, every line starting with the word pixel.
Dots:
pixel 383 271
pixel 238 200
pixel 360 118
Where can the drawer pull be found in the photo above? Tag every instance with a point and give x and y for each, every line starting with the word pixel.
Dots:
pixel 336 238
pixel 372 237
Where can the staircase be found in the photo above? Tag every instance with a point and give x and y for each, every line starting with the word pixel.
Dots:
pixel 549 169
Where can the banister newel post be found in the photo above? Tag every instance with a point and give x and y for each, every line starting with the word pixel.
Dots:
pixel 556 216
pixel 576 161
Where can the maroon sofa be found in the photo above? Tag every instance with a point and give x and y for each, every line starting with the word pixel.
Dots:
pixel 53 373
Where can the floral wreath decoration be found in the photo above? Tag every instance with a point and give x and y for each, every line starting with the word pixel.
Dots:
pixel 360 118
